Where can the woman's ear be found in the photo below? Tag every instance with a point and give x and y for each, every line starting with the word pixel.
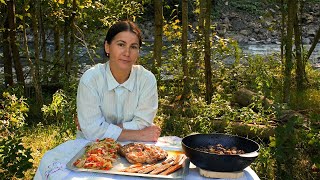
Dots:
pixel 106 48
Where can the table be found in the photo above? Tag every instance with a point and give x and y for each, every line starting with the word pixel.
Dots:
pixel 53 163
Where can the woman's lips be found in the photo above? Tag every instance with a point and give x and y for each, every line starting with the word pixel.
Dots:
pixel 125 60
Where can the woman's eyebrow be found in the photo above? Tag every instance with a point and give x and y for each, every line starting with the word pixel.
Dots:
pixel 126 42
pixel 121 41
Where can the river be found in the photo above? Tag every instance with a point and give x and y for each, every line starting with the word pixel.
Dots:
pixel 248 49
pixel 268 49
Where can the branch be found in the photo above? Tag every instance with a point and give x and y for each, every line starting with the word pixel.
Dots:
pixel 316 39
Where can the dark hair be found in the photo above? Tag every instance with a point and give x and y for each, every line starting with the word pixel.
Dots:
pixel 120 27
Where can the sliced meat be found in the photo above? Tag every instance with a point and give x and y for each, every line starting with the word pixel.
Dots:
pixel 175 167
pixel 141 153
pixel 149 169
pixel 161 168
pixel 130 147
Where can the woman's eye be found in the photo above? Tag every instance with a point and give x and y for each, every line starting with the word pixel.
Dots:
pixel 134 47
pixel 121 44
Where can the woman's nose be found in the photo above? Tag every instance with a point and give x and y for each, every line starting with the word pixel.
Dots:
pixel 126 51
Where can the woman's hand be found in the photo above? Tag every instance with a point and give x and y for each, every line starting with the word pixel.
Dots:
pixel 148 134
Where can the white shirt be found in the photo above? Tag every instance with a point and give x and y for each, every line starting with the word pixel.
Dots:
pixel 102 102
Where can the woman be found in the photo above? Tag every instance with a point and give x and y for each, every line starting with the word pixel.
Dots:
pixel 118 99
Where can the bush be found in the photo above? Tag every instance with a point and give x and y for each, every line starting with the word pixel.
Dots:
pixel 14 157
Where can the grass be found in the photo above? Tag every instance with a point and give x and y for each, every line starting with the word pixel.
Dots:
pixel 40 139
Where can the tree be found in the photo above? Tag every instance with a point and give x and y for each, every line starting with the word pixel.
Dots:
pixel 34 66
pixel 283 19
pixel 8 74
pixel 55 21
pixel 288 52
pixel 300 65
pixel 72 33
pixel 43 28
pixel 207 53
pixel 158 10
pixel 66 37
pixel 12 42
pixel 184 51
pixel 198 48
pixel 314 44
pixel 202 6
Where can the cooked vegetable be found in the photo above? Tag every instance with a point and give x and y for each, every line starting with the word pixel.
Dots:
pixel 100 155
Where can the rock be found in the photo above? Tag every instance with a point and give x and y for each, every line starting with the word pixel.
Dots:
pixel 268 41
pixel 266 24
pixel 316 66
pixel 274 33
pixel 240 38
pixel 278 42
pixel 306 41
pixel 307 18
pixel 242 26
pixel 226 20
pixel 238 24
pixel 245 32
pixel 311 32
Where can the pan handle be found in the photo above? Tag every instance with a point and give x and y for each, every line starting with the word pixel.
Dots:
pixel 251 154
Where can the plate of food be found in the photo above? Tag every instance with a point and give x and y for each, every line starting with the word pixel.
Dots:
pixel 130 159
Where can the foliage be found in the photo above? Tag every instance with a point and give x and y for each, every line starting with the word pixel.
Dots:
pixel 265 165
pixel 250 6
pixel 293 152
pixel 41 138
pixel 172 30
pixel 296 141
pixel 62 110
pixel 197 116
pixel 13 111
pixel 14 157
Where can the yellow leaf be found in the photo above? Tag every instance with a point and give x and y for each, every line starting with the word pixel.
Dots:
pixel 178 98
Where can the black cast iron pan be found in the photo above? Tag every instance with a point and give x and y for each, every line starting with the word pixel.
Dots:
pixel 220 163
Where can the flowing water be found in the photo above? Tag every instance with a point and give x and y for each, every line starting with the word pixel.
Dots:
pixel 268 49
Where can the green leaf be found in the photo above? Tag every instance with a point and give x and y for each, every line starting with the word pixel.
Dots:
pixel 3 2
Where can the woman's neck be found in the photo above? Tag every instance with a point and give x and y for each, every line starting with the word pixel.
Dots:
pixel 120 76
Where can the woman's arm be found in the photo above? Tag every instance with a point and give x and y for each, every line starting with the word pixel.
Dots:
pixel 91 120
pixel 149 134
pixel 147 106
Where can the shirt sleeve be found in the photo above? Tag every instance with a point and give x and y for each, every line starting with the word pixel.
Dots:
pixel 91 120
pixel 147 106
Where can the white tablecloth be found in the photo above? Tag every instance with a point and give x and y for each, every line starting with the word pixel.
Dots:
pixel 53 163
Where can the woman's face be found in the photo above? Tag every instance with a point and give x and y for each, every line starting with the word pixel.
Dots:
pixel 123 51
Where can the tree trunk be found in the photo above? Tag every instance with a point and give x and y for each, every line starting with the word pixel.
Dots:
pixel 157 49
pixel 288 61
pixel 300 66
pixel 36 35
pixel 184 51
pixel 314 44
pixel 8 75
pixel 34 74
pixel 245 97
pixel 13 43
pixel 202 4
pixel 72 33
pixel 57 53
pixel 196 51
pixel 207 54
pixel 283 18
pixel 66 40
pixel 43 44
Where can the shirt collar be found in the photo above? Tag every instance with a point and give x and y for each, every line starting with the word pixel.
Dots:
pixel 112 82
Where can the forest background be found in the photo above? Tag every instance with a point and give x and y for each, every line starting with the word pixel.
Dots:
pixel 206 82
